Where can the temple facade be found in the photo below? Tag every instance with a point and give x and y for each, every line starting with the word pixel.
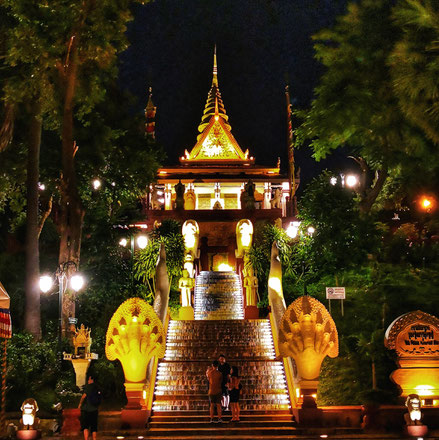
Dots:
pixel 216 184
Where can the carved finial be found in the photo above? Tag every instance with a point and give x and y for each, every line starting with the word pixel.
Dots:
pixel 215 69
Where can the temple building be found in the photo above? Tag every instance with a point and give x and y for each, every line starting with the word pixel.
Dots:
pixel 217 184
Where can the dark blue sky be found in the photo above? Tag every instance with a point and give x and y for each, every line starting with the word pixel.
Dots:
pixel 259 44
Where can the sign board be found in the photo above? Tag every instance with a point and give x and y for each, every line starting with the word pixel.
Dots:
pixel 335 293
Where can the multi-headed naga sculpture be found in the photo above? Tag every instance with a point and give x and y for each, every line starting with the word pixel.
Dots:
pixel 135 334
pixel 307 334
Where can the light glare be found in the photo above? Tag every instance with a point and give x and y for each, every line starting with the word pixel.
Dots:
pixel 123 242
pixel 46 283
pixel 142 241
pixel 96 184
pixel 77 282
pixel 351 180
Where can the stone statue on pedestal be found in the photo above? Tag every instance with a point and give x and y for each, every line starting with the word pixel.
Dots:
pixel 186 284
pixel 179 192
pixel 250 286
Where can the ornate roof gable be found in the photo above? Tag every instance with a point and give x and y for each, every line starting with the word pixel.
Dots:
pixel 215 143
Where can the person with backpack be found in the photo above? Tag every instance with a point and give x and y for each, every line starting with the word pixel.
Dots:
pixel 89 405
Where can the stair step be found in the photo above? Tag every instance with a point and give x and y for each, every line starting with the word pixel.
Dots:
pixel 181 406
pixel 218 296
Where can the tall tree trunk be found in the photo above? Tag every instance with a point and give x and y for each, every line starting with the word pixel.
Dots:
pixel 32 309
pixel 72 211
pixel 374 375
pixel 368 200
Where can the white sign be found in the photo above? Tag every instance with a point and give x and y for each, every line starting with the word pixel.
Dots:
pixel 335 293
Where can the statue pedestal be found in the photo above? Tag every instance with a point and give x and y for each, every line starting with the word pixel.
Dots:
pixel 134 418
pixel 134 415
pixel 80 365
pixel 251 312
pixel 186 314
pixel 417 430
pixel 28 434
pixel 70 422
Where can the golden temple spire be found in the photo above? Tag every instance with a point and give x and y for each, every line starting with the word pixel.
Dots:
pixel 215 143
pixel 214 104
pixel 150 112
pixel 215 70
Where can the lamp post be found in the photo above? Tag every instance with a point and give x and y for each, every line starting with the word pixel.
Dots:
pixel 62 275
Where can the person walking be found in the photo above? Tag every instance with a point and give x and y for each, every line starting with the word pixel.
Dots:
pixel 89 405
pixel 235 386
pixel 224 369
pixel 215 380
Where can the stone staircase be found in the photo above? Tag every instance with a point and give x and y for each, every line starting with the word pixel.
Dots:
pixel 191 346
pixel 218 295
pixel 181 406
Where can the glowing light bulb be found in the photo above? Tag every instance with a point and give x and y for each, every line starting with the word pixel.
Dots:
pixel 351 180
pixel 123 242
pixel 77 282
pixel 96 184
pixel 142 241
pixel 46 283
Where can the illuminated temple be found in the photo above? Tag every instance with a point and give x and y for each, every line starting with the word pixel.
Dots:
pixel 216 184
pixel 220 195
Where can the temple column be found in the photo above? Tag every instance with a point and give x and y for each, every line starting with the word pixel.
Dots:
pixel 267 196
pixel 168 196
pixel 285 194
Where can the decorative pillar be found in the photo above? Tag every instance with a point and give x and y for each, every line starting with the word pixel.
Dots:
pixel 191 233
pixel 168 196
pixel 267 196
pixel 82 356
pixel 244 238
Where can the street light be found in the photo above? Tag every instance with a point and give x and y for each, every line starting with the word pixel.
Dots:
pixel 351 180
pixel 76 282
pixel 427 203
pixel 96 184
pixel 293 229
pixel 142 241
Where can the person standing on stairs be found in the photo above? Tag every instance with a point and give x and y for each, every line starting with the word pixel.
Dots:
pixel 235 386
pixel 224 369
pixel 215 391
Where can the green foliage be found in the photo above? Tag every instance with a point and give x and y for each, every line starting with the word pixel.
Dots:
pixel 260 253
pixel 354 105
pixel 342 238
pixel 414 64
pixel 32 371
pixel 145 262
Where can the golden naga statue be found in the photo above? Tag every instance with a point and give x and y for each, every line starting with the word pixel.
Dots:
pixel 307 334
pixel 82 339
pixel 135 335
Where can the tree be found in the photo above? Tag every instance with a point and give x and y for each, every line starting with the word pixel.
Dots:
pixel 414 64
pixel 354 104
pixel 342 238
pixel 65 54
pixel 27 89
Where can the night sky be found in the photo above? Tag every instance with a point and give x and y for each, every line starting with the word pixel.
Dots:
pixel 260 43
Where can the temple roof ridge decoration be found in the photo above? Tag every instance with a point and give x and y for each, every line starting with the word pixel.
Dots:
pixel 215 143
